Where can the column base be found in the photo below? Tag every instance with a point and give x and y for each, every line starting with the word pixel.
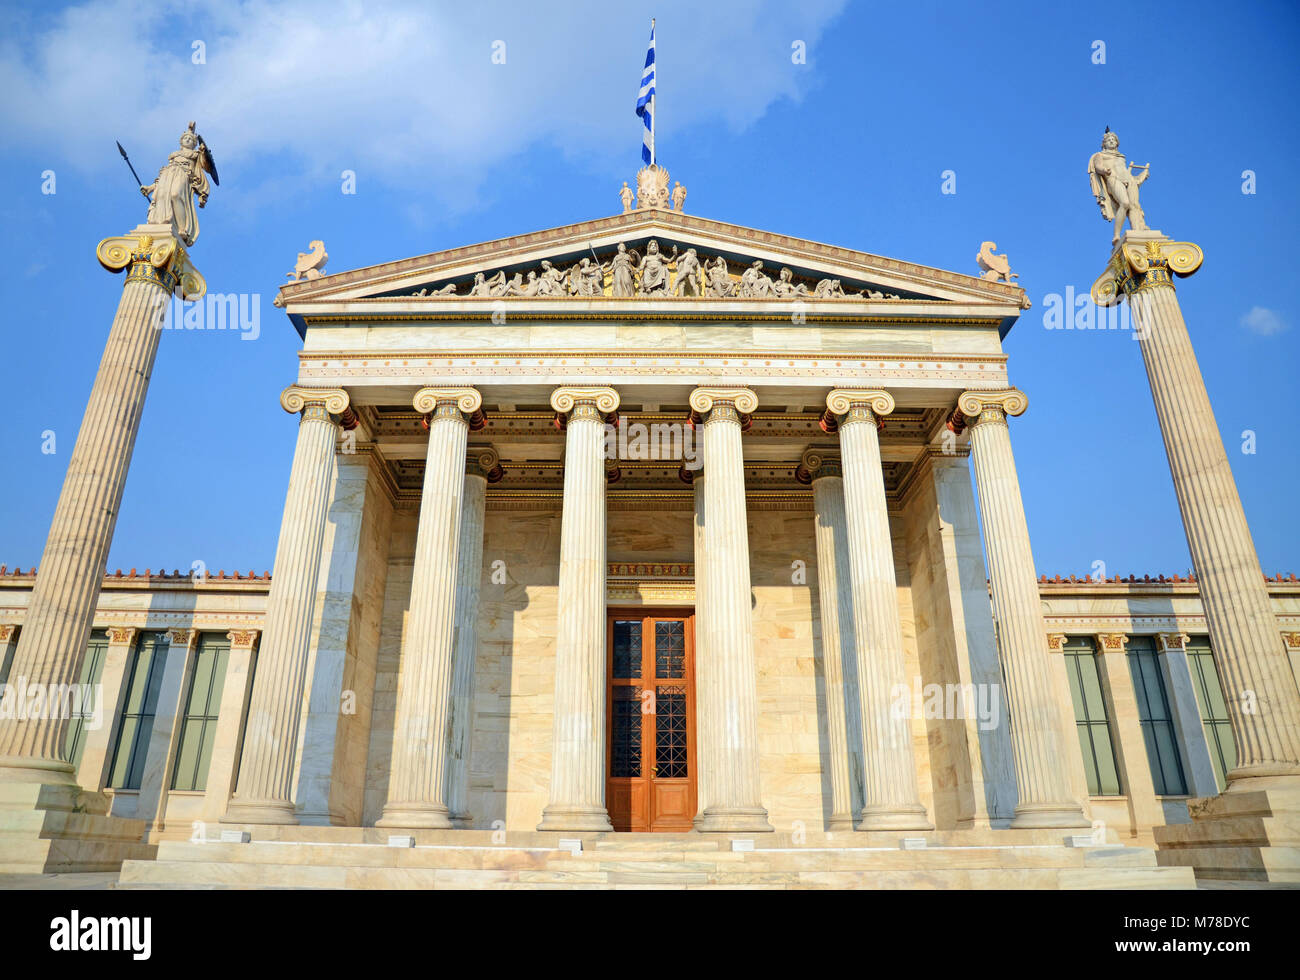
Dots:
pixel 416 816
pixel 894 818
pixel 1038 816
pixel 841 822
pixel 259 812
pixel 462 821
pixel 733 820
pixel 1250 779
pixel 32 769
pixel 594 819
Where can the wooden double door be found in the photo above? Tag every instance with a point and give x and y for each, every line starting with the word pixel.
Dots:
pixel 651 728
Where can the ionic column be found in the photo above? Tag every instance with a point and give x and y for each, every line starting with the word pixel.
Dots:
pixel 265 789
pixel 822 468
pixel 889 768
pixel 725 664
pixel 482 467
pixel 1258 685
pixel 577 800
pixel 705 763
pixel 52 643
pixel 417 785
pixel 1042 781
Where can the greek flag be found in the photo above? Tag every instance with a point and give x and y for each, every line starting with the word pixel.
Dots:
pixel 645 101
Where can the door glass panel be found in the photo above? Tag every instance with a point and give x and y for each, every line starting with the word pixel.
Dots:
pixel 670 649
pixel 625 739
pixel 627 648
pixel 670 732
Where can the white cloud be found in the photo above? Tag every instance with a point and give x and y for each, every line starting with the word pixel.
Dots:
pixel 293 93
pixel 1263 321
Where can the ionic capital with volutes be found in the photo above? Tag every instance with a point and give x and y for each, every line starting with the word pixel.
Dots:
pixel 1138 265
pixel 160 260
pixel 992 405
pixel 574 402
pixel 846 405
pixel 465 404
pixel 484 461
pixel 723 404
pixel 818 462
pixel 316 404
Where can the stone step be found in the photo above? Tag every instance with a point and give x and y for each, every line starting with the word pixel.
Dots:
pixel 55 856
pixel 180 874
pixel 307 865
pixel 680 860
pixel 1274 864
pixel 1231 831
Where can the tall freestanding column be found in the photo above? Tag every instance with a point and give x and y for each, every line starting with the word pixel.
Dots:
pixel 889 768
pixel 725 664
pixel 577 799
pixel 705 763
pixel 823 469
pixel 1259 687
pixel 481 468
pixel 264 793
pixel 1042 783
pixel 52 644
pixel 417 784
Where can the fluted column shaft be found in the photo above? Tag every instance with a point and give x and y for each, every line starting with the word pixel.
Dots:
pixel 839 646
pixel 577 799
pixel 892 800
pixel 470 570
pixel 52 643
pixel 1259 687
pixel 706 764
pixel 1042 782
pixel 422 730
pixel 728 720
pixel 264 793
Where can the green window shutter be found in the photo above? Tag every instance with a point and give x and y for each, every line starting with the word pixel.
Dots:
pixel 1155 717
pixel 138 711
pixel 199 728
pixel 1090 720
pixel 1214 708
pixel 91 669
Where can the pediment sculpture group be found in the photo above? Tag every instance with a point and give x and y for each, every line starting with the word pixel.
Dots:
pixel 628 273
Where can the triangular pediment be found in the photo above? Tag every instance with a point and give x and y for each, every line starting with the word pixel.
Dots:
pixel 641 258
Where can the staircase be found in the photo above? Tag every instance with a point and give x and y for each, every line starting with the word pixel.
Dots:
pixel 325 857
pixel 51 829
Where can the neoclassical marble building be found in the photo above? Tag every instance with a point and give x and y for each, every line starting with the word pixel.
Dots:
pixel 658 524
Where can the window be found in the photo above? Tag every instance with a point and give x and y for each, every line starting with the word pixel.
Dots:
pixel 199 728
pixel 7 662
pixel 91 668
pixel 1214 708
pixel 138 711
pixel 1156 718
pixel 1090 717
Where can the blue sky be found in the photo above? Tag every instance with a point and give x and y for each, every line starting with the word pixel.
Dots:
pixel 848 148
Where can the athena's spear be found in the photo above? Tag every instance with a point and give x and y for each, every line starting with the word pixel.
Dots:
pixel 138 181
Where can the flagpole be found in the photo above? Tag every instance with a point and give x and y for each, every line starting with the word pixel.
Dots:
pixel 653 97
